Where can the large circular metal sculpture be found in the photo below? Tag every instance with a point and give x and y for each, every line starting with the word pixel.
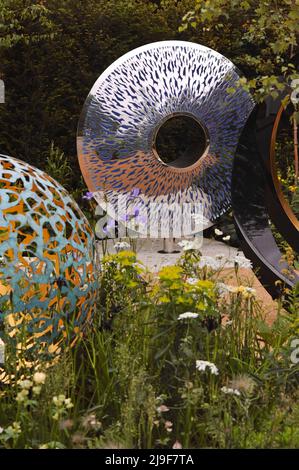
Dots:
pixel 257 198
pixel 137 95
pixel 47 272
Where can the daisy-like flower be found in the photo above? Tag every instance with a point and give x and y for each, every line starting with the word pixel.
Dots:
pixel 230 391
pixel 185 315
pixel 203 365
pixel 218 232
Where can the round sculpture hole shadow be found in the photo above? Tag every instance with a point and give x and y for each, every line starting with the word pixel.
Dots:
pixel 180 141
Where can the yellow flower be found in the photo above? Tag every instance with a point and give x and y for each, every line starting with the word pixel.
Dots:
pixel 170 273
pixel 200 306
pixel 126 254
pixel 164 299
pixel 205 284
pixel 293 188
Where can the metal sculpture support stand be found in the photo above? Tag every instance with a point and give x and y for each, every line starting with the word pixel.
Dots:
pixel 169 246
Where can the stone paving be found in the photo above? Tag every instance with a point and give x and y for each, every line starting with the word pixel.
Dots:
pixel 148 252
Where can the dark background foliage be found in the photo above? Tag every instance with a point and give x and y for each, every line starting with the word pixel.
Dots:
pixel 52 51
pixel 48 80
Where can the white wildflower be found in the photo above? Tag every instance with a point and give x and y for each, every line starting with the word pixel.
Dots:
pixel 191 244
pixel 230 391
pixel 36 390
pixel 226 239
pixel 200 219
pixel 218 232
pixel 122 246
pixel 68 403
pixel 242 261
pixel 26 384
pixel 185 315
pixel 22 395
pixel 39 377
pixel 210 262
pixel 224 288
pixel 202 365
pixel 192 280
pixel 250 290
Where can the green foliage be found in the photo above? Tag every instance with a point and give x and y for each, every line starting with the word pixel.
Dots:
pixel 24 21
pixel 259 37
pixel 57 165
pixel 47 81
pixel 158 373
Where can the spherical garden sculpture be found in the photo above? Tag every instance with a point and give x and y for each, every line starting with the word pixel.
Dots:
pixel 131 103
pixel 47 272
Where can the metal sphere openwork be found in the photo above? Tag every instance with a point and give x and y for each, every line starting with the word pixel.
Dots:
pixel 47 272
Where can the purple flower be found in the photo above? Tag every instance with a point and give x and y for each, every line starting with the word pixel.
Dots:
pixel 88 196
pixel 136 212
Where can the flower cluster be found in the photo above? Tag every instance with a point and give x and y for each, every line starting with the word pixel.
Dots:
pixel 61 404
pixel 203 365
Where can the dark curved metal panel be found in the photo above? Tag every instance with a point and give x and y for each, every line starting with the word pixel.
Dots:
pixel 252 192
